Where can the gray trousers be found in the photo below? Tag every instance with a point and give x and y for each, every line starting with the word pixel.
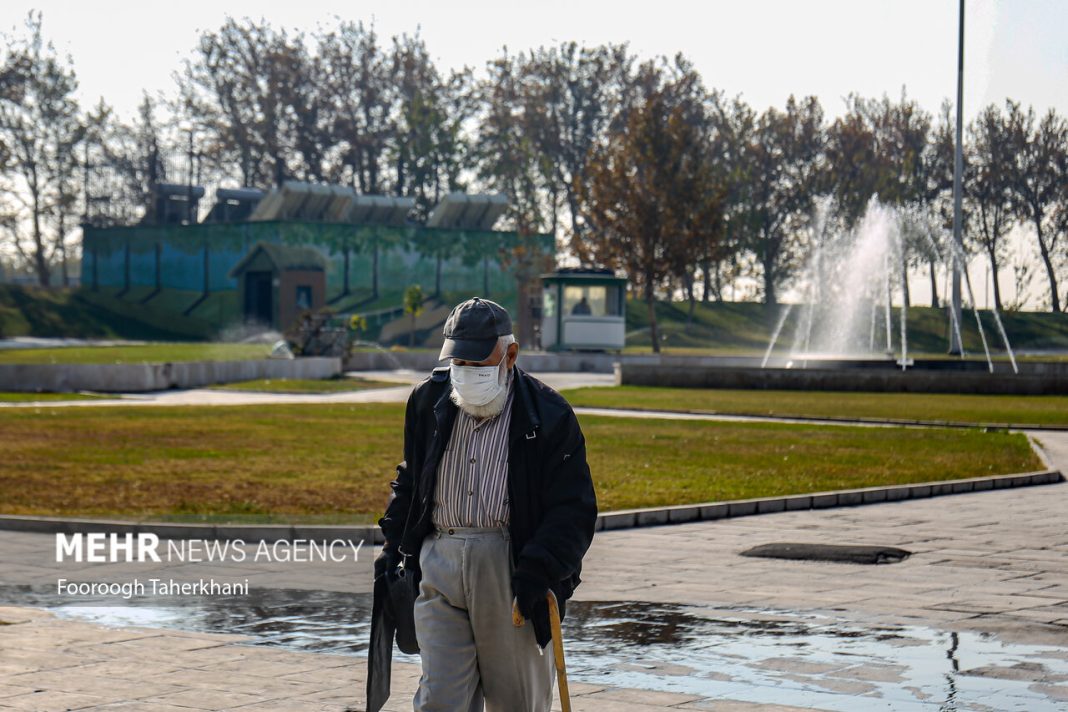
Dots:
pixel 471 652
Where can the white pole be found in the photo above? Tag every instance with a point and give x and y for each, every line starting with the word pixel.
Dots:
pixel 955 347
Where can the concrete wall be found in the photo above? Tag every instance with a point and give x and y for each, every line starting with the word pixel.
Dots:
pixel 138 377
pixel 745 372
pixel 914 381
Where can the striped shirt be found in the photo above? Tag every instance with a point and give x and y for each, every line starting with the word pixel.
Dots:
pixel 472 486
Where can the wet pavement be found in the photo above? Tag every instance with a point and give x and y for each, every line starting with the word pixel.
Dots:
pixel 760 656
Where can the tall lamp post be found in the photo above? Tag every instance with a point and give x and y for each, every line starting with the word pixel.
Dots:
pixel 956 348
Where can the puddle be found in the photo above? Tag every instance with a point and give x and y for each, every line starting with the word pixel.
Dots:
pixel 754 655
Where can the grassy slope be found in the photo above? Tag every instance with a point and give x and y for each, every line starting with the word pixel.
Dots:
pixel 1026 410
pixel 66 312
pixel 334 462
pixel 137 353
pixel 733 327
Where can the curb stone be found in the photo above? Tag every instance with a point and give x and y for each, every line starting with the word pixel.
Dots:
pixel 620 519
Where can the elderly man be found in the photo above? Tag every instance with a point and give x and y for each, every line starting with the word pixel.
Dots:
pixel 493 503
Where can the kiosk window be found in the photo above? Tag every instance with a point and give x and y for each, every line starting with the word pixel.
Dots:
pixel 586 301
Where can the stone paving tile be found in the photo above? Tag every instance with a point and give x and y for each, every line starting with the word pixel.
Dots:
pixel 213 700
pixel 143 706
pixel 52 700
pixel 13 690
pixel 738 706
pixel 641 697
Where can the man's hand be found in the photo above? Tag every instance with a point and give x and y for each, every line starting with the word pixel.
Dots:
pixel 530 594
pixel 387 561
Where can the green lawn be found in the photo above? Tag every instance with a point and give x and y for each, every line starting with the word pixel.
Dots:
pixel 307 385
pixel 333 462
pixel 13 397
pixel 1029 410
pixel 158 352
pixel 734 328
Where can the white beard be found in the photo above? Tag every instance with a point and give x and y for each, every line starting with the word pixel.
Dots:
pixel 488 410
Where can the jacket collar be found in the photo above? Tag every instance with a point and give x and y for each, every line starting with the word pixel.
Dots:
pixel 525 419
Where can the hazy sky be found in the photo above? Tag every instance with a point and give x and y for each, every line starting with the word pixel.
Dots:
pixel 762 49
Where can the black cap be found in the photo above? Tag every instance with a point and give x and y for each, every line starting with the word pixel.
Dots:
pixel 472 329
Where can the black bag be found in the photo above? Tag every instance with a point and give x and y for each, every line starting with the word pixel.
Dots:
pixel 403 590
pixel 392 615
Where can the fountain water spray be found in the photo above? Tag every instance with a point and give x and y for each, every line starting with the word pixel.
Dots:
pixel 1005 338
pixel 958 253
pixel 850 275
pixel 775 334
pixel 851 270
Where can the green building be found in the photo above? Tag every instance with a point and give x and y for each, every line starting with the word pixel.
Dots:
pixel 287 253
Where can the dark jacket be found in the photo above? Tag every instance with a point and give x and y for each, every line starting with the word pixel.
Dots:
pixel 551 501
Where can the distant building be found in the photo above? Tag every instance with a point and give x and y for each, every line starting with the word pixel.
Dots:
pixel 583 310
pixel 263 258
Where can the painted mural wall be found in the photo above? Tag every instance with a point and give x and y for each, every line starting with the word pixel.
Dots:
pixel 184 271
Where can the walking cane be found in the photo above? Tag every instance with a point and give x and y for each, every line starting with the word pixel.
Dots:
pixel 558 646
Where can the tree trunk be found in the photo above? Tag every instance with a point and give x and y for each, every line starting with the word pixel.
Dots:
pixel 770 298
pixel 437 277
pixel 411 334
pixel 706 279
pixel 63 248
pixel 934 285
pixel 1051 273
pixel 905 282
pixel 347 251
pixel 654 332
pixel 374 269
pixel 524 321
pixel 44 276
pixel 994 277
pixel 689 280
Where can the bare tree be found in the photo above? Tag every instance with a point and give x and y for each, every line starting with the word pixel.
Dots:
pixel 783 164
pixel 252 89
pixel 40 128
pixel 1038 174
pixel 988 189
pixel 358 104
pixel 569 98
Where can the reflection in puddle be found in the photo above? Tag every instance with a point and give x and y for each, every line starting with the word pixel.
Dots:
pixel 809 660
pixel 763 656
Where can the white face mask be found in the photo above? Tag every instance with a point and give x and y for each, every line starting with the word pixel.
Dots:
pixel 478 385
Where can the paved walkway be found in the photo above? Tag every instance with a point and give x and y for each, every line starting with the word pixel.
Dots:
pixel 989 572
pixel 208 396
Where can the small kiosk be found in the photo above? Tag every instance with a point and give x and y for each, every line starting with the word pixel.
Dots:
pixel 279 282
pixel 583 310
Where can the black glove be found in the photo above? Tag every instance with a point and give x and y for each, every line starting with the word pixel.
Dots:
pixel 388 560
pixel 530 593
